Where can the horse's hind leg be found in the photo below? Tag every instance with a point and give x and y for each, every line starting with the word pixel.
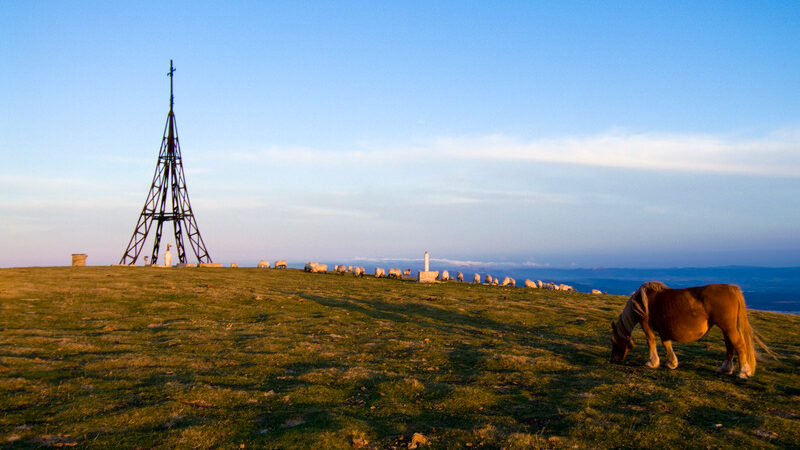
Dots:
pixel 741 351
pixel 727 365
pixel 735 342
pixel 672 360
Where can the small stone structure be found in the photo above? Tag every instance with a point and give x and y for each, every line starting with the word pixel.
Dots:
pixel 427 276
pixel 209 265
pixel 79 259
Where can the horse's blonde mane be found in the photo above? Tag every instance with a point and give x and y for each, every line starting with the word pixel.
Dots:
pixel 653 286
pixel 636 311
pixel 627 320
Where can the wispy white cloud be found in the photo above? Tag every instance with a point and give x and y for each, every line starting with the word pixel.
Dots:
pixel 470 263
pixel 305 156
pixel 469 196
pixel 775 154
pixel 26 182
pixel 383 260
pixel 319 211
pixel 449 262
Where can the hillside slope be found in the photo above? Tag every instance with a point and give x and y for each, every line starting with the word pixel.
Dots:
pixel 107 357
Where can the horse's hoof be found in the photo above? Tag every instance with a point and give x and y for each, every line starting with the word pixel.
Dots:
pixel 672 365
pixel 725 370
pixel 742 376
pixel 652 365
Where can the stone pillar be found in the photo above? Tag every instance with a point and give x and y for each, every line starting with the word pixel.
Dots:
pixel 79 259
pixel 427 276
pixel 168 256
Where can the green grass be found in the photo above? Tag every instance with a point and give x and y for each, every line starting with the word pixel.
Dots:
pixel 109 357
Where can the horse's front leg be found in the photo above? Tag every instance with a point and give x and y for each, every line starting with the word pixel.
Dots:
pixel 672 360
pixel 654 362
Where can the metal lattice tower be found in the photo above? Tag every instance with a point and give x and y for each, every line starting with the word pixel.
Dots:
pixel 168 177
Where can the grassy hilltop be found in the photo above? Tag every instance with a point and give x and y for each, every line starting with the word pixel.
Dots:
pixel 110 357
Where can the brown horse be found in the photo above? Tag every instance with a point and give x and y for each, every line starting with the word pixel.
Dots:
pixel 686 315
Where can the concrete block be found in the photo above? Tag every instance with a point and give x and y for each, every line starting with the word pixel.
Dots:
pixel 428 276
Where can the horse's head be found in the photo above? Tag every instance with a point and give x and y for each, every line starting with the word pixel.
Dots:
pixel 620 345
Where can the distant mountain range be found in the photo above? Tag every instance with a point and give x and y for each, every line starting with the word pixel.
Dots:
pixel 765 288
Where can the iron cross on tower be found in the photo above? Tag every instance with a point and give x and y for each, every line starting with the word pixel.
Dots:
pixel 169 173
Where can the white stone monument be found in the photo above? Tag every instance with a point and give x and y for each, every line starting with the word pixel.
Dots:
pixel 428 276
pixel 168 256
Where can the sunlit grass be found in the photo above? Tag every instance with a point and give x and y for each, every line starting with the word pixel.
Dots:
pixel 140 357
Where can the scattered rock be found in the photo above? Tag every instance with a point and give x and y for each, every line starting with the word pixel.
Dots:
pixel 200 404
pixel 359 442
pixel 417 439
pixel 777 412
pixel 293 422
pixel 55 440
pixel 766 434
pixel 109 328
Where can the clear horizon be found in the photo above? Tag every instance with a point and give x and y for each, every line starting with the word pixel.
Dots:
pixel 565 135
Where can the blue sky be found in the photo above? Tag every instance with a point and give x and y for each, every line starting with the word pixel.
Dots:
pixel 561 134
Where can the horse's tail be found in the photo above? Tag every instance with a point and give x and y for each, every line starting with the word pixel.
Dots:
pixel 751 334
pixel 763 345
pixel 747 334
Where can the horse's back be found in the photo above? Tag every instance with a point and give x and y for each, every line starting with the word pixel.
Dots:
pixel 722 303
pixel 685 315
